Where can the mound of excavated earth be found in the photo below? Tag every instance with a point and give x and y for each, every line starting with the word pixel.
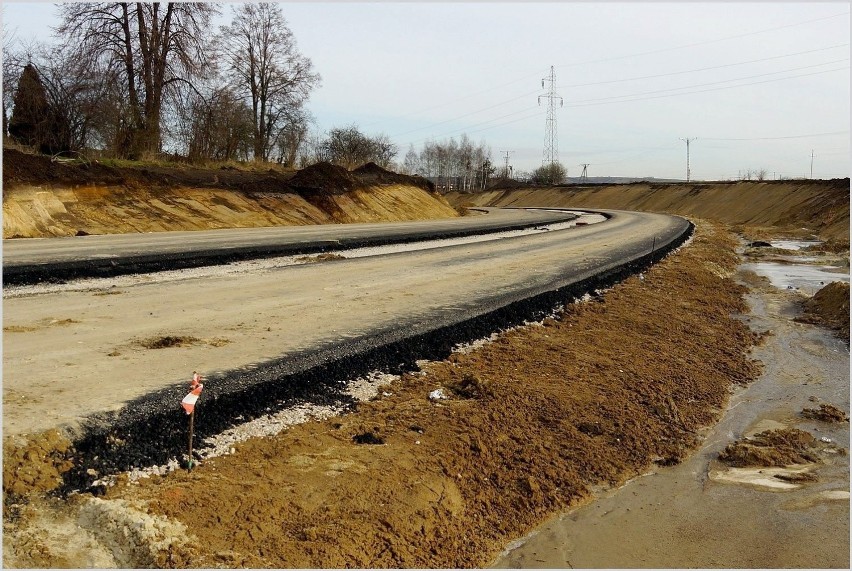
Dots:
pixel 42 198
pixel 829 307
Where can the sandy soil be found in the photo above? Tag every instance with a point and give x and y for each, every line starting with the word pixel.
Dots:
pixel 43 199
pixel 793 207
pixel 591 398
pixel 706 512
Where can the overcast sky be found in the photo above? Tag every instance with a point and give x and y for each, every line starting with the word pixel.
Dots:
pixel 759 85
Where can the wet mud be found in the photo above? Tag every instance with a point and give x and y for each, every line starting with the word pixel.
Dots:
pixel 785 502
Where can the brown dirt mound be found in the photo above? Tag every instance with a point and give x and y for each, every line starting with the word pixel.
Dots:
pixel 771 448
pixel 374 174
pixel 825 413
pixel 324 178
pixel 505 184
pixel 21 167
pixel 833 246
pixel 35 464
pixel 829 307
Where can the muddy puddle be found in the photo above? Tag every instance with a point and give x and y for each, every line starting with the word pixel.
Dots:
pixel 703 513
pixel 806 278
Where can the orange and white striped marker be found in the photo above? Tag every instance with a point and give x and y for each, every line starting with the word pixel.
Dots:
pixel 188 402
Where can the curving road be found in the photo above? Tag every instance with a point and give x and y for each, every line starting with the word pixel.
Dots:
pixel 70 354
pixel 29 261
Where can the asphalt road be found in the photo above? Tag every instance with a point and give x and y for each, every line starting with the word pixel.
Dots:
pixel 28 261
pixel 68 355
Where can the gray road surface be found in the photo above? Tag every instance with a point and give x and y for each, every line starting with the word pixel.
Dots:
pixel 70 354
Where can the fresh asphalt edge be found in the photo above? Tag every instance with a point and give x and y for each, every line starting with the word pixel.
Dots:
pixel 60 272
pixel 152 429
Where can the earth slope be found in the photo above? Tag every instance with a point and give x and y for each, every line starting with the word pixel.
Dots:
pixel 44 199
pixel 821 206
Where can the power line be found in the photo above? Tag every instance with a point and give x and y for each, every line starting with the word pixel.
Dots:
pixel 776 138
pixel 593 102
pixel 703 68
pixel 467 114
pixel 674 48
pixel 507 168
pixel 602 101
pixel 709 41
pixel 712 82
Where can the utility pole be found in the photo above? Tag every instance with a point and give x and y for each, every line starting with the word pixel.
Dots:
pixel 687 155
pixel 551 142
pixel 812 163
pixel 506 168
pixel 584 175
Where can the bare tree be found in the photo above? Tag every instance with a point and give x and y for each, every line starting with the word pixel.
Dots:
pixel 152 45
pixel 11 73
pixel 262 61
pixel 214 126
pixel 411 163
pixel 292 137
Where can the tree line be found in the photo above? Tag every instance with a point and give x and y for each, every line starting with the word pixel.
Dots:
pixel 135 80
pixel 147 79
pixel 452 165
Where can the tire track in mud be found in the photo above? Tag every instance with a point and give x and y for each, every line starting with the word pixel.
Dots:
pixel 152 429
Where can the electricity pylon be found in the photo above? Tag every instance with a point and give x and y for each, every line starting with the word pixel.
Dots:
pixel 687 155
pixel 551 142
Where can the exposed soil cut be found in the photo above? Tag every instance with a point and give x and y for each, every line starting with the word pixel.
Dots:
pixel 764 209
pixel 35 464
pixel 43 198
pixel 829 307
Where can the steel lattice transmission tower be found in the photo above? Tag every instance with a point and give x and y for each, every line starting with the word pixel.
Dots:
pixel 551 141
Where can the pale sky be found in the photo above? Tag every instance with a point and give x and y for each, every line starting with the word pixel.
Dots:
pixel 759 85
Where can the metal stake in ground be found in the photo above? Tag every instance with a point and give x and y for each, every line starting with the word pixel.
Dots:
pixel 188 404
pixel 191 430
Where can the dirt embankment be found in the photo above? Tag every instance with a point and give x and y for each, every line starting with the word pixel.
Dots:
pixel 43 198
pixel 829 307
pixel 821 206
pixel 592 397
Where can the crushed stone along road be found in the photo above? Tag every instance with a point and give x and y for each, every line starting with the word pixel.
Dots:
pixel 70 355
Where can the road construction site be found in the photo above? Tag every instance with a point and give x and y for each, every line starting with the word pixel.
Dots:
pixel 509 395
